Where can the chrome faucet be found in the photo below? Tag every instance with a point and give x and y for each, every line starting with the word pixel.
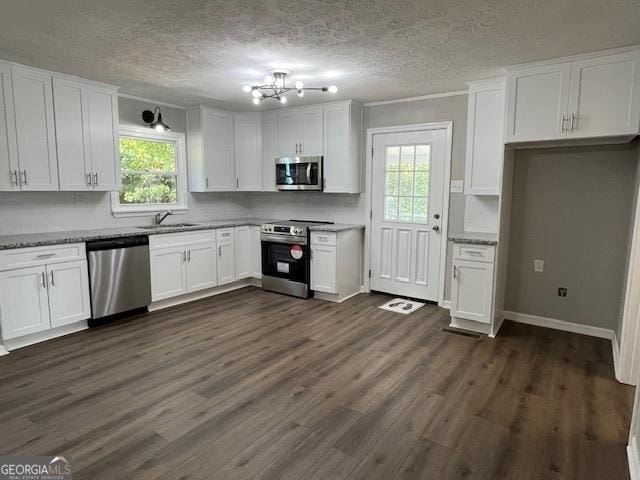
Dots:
pixel 161 216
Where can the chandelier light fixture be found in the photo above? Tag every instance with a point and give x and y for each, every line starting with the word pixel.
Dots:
pixel 275 87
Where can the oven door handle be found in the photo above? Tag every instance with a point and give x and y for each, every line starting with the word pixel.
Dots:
pixel 265 237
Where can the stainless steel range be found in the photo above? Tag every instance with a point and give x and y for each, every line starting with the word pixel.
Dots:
pixel 286 257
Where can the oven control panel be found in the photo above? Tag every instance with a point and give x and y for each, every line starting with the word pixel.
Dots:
pixel 283 229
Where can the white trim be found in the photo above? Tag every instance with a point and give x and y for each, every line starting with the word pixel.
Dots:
pixel 634 461
pixel 446 304
pixel 38 337
pixel 3 350
pixel 149 100
pixel 417 127
pixel 573 58
pixel 560 325
pixel 182 205
pixel 615 351
pixel 416 99
pixel 210 292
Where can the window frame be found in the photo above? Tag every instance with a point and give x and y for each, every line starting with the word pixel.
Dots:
pixel 181 205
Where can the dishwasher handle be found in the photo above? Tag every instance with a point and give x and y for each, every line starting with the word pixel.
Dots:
pixel 113 243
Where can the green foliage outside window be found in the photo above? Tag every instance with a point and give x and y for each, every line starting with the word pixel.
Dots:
pixel 148 171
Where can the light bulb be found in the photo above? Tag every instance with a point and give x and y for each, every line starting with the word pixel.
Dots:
pixel 283 100
pixel 159 128
pixel 246 88
pixel 299 85
pixel 301 93
pixel 333 89
pixel 268 80
pixel 280 82
pixel 256 93
pixel 256 101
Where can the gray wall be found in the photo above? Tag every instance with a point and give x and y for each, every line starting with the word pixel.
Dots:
pixel 434 110
pixel 571 208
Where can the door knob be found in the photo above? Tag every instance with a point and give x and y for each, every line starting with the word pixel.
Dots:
pixel 436 228
pixel 436 216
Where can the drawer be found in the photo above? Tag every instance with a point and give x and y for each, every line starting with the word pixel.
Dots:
pixel 323 238
pixel 166 240
pixel 34 256
pixel 474 252
pixel 224 233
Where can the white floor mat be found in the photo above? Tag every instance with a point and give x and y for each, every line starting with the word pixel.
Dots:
pixel 401 305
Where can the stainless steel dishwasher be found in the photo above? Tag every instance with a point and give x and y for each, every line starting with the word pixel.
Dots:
pixel 119 275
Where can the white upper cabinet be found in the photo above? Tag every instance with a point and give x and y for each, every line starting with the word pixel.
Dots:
pixel 485 137
pixel 587 97
pixel 605 95
pixel 342 163
pixel 538 98
pixel 311 143
pixel 103 138
pixel 210 150
pixel 269 150
pixel 8 154
pixel 35 130
pixel 248 151
pixel 289 132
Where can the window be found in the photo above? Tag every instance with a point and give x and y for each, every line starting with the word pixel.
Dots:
pixel 406 196
pixel 153 172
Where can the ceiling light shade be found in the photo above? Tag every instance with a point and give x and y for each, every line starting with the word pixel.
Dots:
pixel 149 117
pixel 246 88
pixel 275 87
pixel 256 101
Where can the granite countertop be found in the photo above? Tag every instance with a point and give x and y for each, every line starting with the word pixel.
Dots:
pixel 74 236
pixel 336 227
pixel 474 237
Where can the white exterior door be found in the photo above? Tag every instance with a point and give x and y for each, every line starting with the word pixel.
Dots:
pixel 605 96
pixel 33 102
pixel 24 302
pixel 407 200
pixel 538 99
pixel 201 267
pixel 471 290
pixel 8 155
pixel 226 261
pixel 289 132
pixel 323 269
pixel 243 251
pixel 68 292
pixel 312 141
pixel 168 273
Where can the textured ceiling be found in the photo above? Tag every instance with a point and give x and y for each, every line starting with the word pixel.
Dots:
pixel 199 51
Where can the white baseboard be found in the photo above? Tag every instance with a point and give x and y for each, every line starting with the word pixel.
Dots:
pixel 27 340
pixel 615 350
pixel 560 325
pixel 446 304
pixel 634 461
pixel 3 350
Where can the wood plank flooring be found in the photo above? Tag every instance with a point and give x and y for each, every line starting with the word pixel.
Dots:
pixel 252 384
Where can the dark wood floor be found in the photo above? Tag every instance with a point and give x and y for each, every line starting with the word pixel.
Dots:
pixel 252 384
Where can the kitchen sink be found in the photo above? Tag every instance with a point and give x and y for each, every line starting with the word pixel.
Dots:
pixel 169 225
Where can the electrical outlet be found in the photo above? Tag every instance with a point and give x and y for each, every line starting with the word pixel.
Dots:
pixel 457 186
pixel 562 292
pixel 538 265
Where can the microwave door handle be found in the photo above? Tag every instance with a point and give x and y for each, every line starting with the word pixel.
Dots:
pixel 309 173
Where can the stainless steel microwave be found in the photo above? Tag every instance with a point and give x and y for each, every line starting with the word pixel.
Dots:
pixel 299 173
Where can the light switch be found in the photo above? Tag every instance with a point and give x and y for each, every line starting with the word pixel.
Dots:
pixel 457 186
pixel 538 265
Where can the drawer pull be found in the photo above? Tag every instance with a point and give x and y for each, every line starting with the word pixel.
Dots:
pixel 471 252
pixel 46 255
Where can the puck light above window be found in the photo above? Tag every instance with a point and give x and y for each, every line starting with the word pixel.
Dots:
pixel 154 122
pixel 275 87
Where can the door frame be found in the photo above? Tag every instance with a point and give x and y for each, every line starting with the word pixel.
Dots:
pixel 447 126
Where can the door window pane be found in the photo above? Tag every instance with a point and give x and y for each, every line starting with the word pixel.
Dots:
pixel 407 179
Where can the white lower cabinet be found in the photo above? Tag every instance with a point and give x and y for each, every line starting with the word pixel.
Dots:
pixel 242 251
pixel 255 251
pixel 323 269
pixel 226 256
pixel 472 283
pixel 41 296
pixel 201 267
pixel 168 272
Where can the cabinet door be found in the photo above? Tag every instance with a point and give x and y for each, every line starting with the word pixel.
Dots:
pixel 168 273
pixel 226 262
pixel 485 139
pixel 269 150
pixel 248 151
pixel 538 99
pixel 72 134
pixel 23 302
pixel 217 144
pixel 35 131
pixel 289 132
pixel 8 154
pixel 336 148
pixel 103 135
pixel 255 247
pixel 472 290
pixel 242 236
pixel 201 266
pixel 68 292
pixel 605 96
pixel 312 131
pixel 323 269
